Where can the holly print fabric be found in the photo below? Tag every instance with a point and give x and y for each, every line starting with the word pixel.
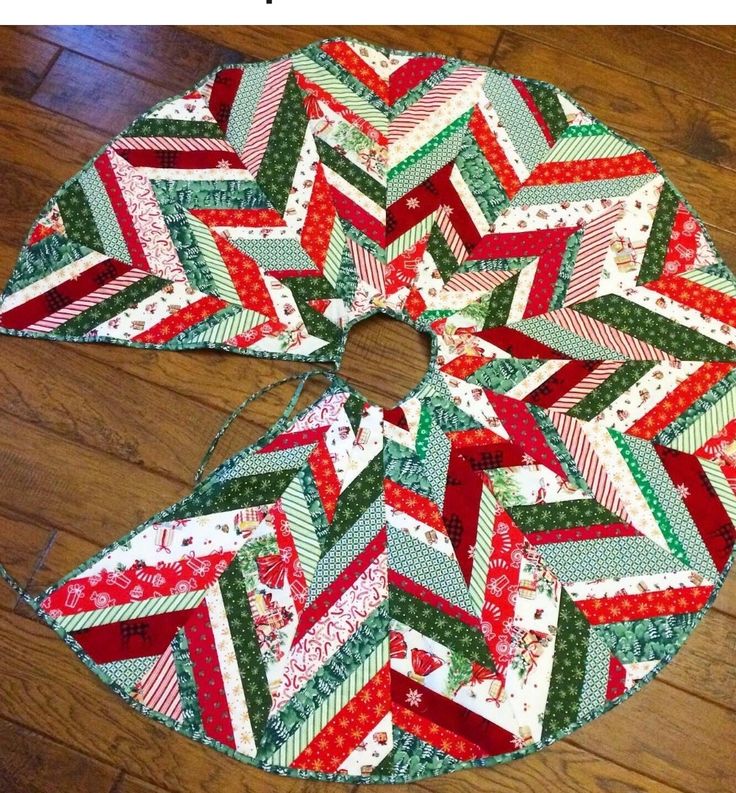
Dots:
pixel 383 594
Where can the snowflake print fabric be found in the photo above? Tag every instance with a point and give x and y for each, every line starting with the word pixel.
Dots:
pixel 384 594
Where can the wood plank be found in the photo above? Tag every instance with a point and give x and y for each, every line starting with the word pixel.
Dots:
pixel 723 36
pixel 32 763
pixel 23 62
pixel 711 646
pixel 160 54
pixel 725 601
pixel 129 784
pixel 55 482
pixel 105 728
pixel 674 735
pixel 31 136
pixel 561 768
pixel 726 244
pixel 470 42
pixel 95 94
pixel 108 410
pixel 670 60
pixel 634 106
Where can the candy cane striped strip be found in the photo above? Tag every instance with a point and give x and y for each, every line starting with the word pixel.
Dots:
pixel 590 382
pixel 265 112
pixel 171 144
pixel 589 262
pixel 478 281
pixel 583 451
pixel 452 238
pixel 592 329
pixel 446 91
pixel 47 324
pixel 368 267
pixel 159 689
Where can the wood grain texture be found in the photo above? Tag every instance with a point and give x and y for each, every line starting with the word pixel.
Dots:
pixel 166 56
pixel 471 42
pixel 723 36
pixel 95 439
pixel 129 784
pixel 23 63
pixel 678 62
pixel 95 94
pixel 30 763
pixel 630 103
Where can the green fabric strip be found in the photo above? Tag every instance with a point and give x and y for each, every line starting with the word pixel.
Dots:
pixel 568 668
pixel 431 622
pixel 172 128
pixel 678 340
pixel 610 389
pixel 561 515
pixel 440 251
pixel 659 236
pixel 107 309
pixel 355 500
pixel 76 214
pixel 349 171
pixel 246 491
pixel 234 589
pixel 276 174
pixel 548 102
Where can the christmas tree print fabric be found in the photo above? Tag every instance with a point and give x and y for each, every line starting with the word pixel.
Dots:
pixel 383 594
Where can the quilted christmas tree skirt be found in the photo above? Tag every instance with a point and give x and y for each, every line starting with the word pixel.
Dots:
pixel 381 594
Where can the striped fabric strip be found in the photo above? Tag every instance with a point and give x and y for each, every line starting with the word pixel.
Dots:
pixel 159 688
pixel 579 147
pixel 585 278
pixel 589 328
pixel 369 269
pixel 708 424
pixel 52 321
pixel 452 238
pixel 589 451
pixel 338 90
pixel 589 383
pixel 409 238
pixel 294 504
pixel 129 611
pixel 264 114
pixel 170 144
pixel 482 281
pixel 482 549
pixel 445 92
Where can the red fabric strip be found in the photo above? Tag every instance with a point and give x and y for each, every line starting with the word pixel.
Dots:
pixel 450 716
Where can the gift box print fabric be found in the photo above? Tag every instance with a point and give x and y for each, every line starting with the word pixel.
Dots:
pixel 531 534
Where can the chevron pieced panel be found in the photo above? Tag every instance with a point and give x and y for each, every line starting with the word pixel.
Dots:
pixel 384 594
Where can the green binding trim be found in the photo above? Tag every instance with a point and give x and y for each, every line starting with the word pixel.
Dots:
pixel 287 411
pixel 16 586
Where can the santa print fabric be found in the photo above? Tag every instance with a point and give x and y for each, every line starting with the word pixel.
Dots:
pixel 380 594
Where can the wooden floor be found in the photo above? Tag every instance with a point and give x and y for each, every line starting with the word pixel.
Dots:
pixel 94 439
